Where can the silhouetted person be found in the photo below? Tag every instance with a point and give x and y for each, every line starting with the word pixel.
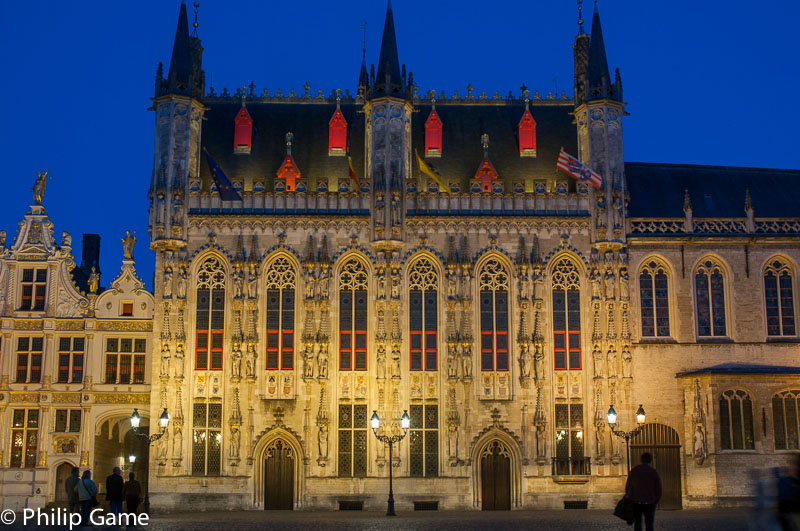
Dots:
pixel 644 490
pixel 86 490
pixel 132 493
pixel 114 486
pixel 72 496
pixel 788 492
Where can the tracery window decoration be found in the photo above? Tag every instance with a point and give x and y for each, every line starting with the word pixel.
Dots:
pixel 353 316
pixel 736 420
pixel 709 286
pixel 352 440
pixel 493 280
pixel 210 324
pixel 654 296
pixel 785 418
pixel 281 284
pixel 566 316
pixel 779 299
pixel 206 439
pixel 424 441
pixel 422 315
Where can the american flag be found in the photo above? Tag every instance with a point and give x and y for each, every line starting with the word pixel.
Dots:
pixel 577 170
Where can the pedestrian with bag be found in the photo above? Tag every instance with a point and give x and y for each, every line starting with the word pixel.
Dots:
pixel 132 492
pixel 643 488
pixel 87 495
pixel 114 486
pixel 72 496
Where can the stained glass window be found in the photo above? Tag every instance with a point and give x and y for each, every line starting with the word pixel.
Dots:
pixel 785 420
pixel 494 316
pixel 24 438
pixel 736 420
pixel 654 296
pixel 353 316
pixel 210 324
pixel 710 299
pixel 779 299
pixel 566 316
pixel 352 452
pixel 280 314
pixel 570 453
pixel 422 315
pixel 206 439
pixel 424 440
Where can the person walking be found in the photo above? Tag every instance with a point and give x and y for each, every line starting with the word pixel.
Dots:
pixel 114 486
pixel 72 496
pixel 131 492
pixel 86 490
pixel 644 490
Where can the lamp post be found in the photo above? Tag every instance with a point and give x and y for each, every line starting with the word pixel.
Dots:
pixel 627 435
pixel 151 438
pixel 405 422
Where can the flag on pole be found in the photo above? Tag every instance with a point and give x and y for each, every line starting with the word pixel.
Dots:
pixel 431 172
pixel 577 170
pixel 352 172
pixel 224 186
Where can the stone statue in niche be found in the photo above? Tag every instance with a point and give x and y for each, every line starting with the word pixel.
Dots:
pixel 609 281
pixel 322 360
pixel 597 357
pixel 600 435
pixel 252 282
pixel 236 361
pixel 238 282
pixel 236 440
pixel 466 360
pixel 165 355
pixel 381 291
pixel 452 443
pixel 601 211
pixel 183 280
pixel 381 360
pixel 308 361
pixel 396 217
pixel 395 285
pixel 163 449
pixel 167 292
pixel 538 362
pixel 525 360
pixel 395 361
pixel 250 363
pixel 699 444
pixel 627 360
pixel 179 357
pixel 624 288
pixel 596 284
pixel 324 277
pixel 322 441
pixel 177 442
pixel 452 361
pixel 612 361
pixel 541 443
pixel 451 285
pixel 379 206
pixel 618 211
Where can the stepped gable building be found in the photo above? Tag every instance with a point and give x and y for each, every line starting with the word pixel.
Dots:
pixel 388 249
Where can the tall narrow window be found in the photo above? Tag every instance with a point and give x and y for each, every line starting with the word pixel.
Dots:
pixel 570 458
pixel 125 360
pixel 24 437
pixel 424 441
pixel 779 295
pixel 68 421
pixel 433 135
pixel 709 285
pixel 422 315
pixel 353 317
pixel 352 441
pixel 206 439
pixel 29 359
pixel 566 316
pixel 280 315
pixel 785 419
pixel 243 132
pixel 210 324
pixel 70 359
pixel 654 295
pixel 494 316
pixel 34 287
pixel 736 420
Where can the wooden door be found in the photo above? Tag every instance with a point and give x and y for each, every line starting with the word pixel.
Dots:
pixel 496 477
pixel 664 444
pixel 63 471
pixel 279 477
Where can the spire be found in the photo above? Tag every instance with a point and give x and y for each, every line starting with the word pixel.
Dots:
pixel 581 54
pixel 179 79
pixel 388 81
pixel 363 76
pixel 597 76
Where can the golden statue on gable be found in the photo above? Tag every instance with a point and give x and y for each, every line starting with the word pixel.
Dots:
pixel 127 245
pixel 39 187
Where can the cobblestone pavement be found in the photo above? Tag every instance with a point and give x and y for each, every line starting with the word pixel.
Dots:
pixel 701 520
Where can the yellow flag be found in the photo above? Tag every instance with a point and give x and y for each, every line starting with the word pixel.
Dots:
pixel 430 172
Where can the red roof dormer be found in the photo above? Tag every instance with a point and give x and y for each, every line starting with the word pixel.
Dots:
pixel 337 133
pixel 288 170
pixel 486 172
pixel 433 134
pixel 243 132
pixel 527 135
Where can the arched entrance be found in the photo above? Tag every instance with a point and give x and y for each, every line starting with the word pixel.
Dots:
pixel 63 471
pixel 663 442
pixel 115 442
pixel 279 467
pixel 495 477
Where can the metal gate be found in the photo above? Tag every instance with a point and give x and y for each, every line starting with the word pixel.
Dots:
pixel 279 477
pixel 496 477
pixel 664 444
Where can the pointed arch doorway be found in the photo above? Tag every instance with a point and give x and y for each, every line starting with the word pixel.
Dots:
pixel 663 443
pixel 496 477
pixel 279 471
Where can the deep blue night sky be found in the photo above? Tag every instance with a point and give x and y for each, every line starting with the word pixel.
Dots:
pixel 705 82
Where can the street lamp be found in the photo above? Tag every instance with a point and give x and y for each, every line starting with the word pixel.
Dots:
pixel 375 422
pixel 627 435
pixel 163 421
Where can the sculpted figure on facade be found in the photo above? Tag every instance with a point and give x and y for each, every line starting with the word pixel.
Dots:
pixel 538 362
pixel 324 281
pixel 600 439
pixel 395 361
pixel 597 358
pixel 452 361
pixel 39 186
pixel 612 361
pixel 179 360
pixel 609 281
pixel 624 287
pixel 308 360
pixel 94 281
pixel 250 361
pixel 597 286
pixel 627 360
pixel 541 442
pixel 525 360
pixel 452 443
pixel 236 361
pixel 167 291
pixel 238 281
pixel 322 441
pixel 177 442
pixel 466 360
pixel 183 280
pixel 236 441
pixel 381 361
pixel 165 355
pixel 322 360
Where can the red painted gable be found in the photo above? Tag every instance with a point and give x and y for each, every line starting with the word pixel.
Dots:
pixel 337 132
pixel 486 174
pixel 243 133
pixel 433 132
pixel 527 133
pixel 289 171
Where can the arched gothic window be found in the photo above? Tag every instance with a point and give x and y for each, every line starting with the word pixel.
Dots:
pixel 494 316
pixel 736 420
pixel 779 299
pixel 423 283
pixel 654 296
pixel 210 315
pixel 353 316
pixel 785 419
pixel 566 316
pixel 280 314
pixel 709 291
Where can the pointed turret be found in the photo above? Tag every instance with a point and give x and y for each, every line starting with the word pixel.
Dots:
pixel 389 81
pixel 581 53
pixel 185 76
pixel 598 80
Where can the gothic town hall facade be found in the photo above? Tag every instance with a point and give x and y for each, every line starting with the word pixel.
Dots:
pixel 397 250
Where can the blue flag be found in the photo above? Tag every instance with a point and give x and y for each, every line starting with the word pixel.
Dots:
pixel 224 186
